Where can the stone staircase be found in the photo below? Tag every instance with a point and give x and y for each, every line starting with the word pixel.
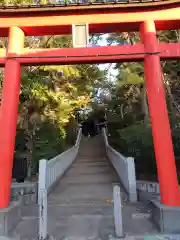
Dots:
pixel 86 190
pixel 81 206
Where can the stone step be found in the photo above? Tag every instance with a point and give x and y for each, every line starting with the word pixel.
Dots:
pixel 142 207
pixel 95 166
pixel 61 202
pixel 83 201
pixel 91 170
pixel 76 173
pixel 137 219
pixel 92 148
pixel 88 159
pixel 92 156
pixel 89 179
pixel 91 164
pixel 79 226
pixel 83 190
pixel 77 190
pixel 64 211
pixel 89 226
pixel 92 151
pixel 89 150
pixel 59 217
pixel 138 226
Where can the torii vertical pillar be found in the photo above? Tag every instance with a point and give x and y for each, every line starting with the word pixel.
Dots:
pixel 9 113
pixel 163 146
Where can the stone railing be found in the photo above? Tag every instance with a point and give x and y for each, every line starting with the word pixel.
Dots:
pixel 26 192
pixel 125 168
pixel 146 186
pixel 147 190
pixel 50 173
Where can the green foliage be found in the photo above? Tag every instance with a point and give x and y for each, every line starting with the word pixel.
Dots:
pixel 136 141
pixel 22 2
pixel 49 101
pixel 127 108
pixel 49 98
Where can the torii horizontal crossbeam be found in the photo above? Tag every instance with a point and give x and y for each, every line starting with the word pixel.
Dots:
pixel 110 54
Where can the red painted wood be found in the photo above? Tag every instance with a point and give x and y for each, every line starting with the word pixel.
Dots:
pixel 161 131
pixel 9 114
pixel 167 51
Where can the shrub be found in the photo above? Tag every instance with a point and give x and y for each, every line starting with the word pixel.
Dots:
pixel 136 141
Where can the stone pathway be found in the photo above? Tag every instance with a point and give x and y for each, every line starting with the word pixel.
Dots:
pixel 81 207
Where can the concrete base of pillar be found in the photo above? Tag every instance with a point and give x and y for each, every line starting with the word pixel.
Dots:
pixel 28 199
pixel 28 191
pixel 166 218
pixel 147 196
pixel 9 218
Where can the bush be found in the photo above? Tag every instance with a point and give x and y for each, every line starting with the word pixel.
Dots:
pixel 49 141
pixel 136 141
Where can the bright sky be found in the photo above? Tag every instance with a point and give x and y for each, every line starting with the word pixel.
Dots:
pixel 112 72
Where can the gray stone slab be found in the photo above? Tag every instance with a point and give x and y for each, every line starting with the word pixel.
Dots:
pixel 87 226
pixel 135 222
pixel 75 226
pixel 166 218
pixel 28 189
pixel 23 188
pixel 81 207
pixel 56 212
pixel 26 229
pixel 89 179
pixel 9 218
pixel 72 191
pixel 28 199
pixel 147 196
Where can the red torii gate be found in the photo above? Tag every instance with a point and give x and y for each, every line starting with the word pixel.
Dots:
pixel 143 17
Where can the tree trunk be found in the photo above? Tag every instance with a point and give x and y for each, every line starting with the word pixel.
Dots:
pixel 121 110
pixel 29 133
pixel 170 105
pixel 29 155
pixel 144 106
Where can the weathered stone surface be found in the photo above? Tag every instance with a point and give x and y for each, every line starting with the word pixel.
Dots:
pixel 24 189
pixel 166 218
pixel 9 218
pixel 81 206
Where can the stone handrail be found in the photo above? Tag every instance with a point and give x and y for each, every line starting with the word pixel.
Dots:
pixel 125 168
pixel 147 186
pixel 51 171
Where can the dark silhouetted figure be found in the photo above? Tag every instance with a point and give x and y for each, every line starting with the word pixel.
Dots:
pixel 85 128
pixel 92 127
pixel 89 127
pixel 20 169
